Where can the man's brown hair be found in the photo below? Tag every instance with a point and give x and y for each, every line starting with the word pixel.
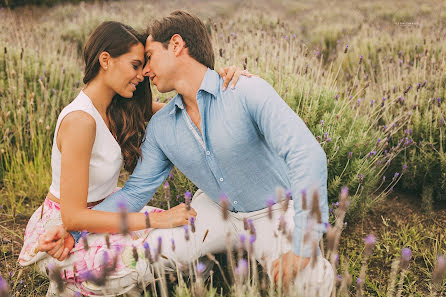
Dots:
pixel 191 29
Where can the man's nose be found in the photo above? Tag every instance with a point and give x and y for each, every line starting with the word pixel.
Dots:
pixel 146 70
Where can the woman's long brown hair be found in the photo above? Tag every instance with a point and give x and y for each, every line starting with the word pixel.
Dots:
pixel 127 116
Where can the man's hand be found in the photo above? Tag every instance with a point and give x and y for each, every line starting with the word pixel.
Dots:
pixel 232 73
pixel 291 265
pixel 57 242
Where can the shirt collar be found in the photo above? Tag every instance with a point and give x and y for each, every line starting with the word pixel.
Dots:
pixel 210 84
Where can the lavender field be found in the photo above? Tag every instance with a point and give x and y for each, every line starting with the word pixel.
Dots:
pixel 367 77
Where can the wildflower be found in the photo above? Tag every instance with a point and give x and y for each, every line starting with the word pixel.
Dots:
pixel 337 96
pixel 84 240
pixel 423 84
pixel 370 242
pixel 394 89
pixel 224 203
pixel 147 219
pixel 3 288
pixel 344 201
pixel 166 191
pixel 242 268
pixel 173 244
pixel 404 168
pixel 269 204
pixel 187 197
pixel 438 273
pixel 107 241
pixel 407 90
pixel 304 199
pixel 371 102
pixel 350 154
pixel 315 209
pixel 147 252
pixel 441 122
pixel 360 59
pixel 361 178
pixel 288 197
pixel 406 255
pixel 135 253
pixel 200 268
pixel 358 281
pixel 395 176
pixel 322 123
pixel 123 213
pixel 346 49
pixel 55 275
pixel 186 232
pixel 160 242
pixel 378 140
pixel 245 224
pixel 192 224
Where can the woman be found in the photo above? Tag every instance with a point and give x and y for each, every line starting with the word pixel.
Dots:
pixel 101 129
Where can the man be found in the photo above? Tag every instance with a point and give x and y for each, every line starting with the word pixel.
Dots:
pixel 241 144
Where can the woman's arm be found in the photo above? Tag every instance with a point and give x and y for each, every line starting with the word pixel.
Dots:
pixel 76 138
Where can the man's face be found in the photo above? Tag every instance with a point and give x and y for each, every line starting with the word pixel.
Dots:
pixel 160 65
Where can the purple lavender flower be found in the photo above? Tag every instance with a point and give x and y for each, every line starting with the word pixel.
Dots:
pixel 269 204
pixel 360 59
pixel 200 268
pixel 147 219
pixel 439 271
pixel 346 49
pixel 359 281
pixel 395 176
pixel 173 244
pixel 406 255
pixel 84 240
pixel 192 224
pixel 147 252
pixel 322 123
pixel 361 178
pixel 4 290
pixel 186 232
pixel 350 154
pixel 224 203
pixel 404 168
pixel 369 242
pixel 242 268
pixel 337 97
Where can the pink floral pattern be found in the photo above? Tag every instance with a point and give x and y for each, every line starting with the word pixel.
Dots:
pixel 81 261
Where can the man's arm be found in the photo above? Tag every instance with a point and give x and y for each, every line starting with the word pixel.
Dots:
pixel 151 170
pixel 306 161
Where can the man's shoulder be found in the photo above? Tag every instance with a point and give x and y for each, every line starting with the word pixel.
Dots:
pixel 249 84
pixel 164 112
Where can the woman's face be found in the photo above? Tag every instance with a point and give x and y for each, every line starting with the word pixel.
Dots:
pixel 125 72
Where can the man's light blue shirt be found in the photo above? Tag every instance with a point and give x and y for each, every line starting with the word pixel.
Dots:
pixel 251 143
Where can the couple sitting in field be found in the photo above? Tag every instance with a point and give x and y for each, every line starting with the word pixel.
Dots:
pixel 238 145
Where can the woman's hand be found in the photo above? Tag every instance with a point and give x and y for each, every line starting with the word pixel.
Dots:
pixel 232 72
pixel 56 242
pixel 176 216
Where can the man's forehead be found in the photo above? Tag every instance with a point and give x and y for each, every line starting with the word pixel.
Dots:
pixel 149 43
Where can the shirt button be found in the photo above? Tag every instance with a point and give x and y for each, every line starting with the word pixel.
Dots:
pixel 235 202
pixel 221 179
pixel 208 153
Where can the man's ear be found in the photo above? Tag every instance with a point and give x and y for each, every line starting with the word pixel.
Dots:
pixel 178 44
pixel 104 60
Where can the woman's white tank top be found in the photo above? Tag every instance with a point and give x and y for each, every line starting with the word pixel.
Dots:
pixel 106 158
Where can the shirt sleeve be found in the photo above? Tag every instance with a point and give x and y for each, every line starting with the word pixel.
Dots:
pixel 151 170
pixel 286 133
